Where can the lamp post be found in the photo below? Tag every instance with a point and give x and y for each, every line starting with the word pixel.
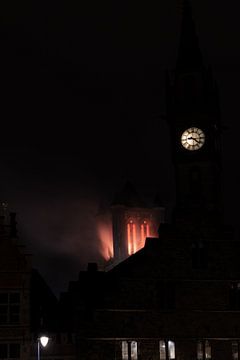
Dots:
pixel 42 340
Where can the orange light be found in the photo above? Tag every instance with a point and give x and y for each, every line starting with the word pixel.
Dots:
pixel 144 232
pixel 148 233
pixel 134 239
pixel 106 240
pixel 129 239
pixel 137 234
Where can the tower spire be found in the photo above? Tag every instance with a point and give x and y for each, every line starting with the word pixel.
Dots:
pixel 189 54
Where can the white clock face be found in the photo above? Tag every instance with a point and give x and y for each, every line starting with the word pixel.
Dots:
pixel 193 138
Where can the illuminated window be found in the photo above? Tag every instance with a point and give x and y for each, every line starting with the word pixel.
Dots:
pixel 144 231
pixel 9 308
pixel 208 350
pixel 129 350
pixel 167 349
pixel 9 351
pixel 134 352
pixel 235 350
pixel 203 350
pixel 131 231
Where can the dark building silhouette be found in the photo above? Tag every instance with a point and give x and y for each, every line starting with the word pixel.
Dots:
pixel 15 278
pixel 194 119
pixel 178 296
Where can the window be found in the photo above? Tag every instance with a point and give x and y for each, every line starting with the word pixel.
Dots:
pixel 129 350
pixel 131 231
pixel 9 351
pixel 203 350
pixel 9 308
pixel 144 232
pixel 235 350
pixel 167 349
pixel 235 296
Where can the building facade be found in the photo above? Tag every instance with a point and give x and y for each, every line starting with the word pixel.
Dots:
pixel 28 307
pixel 15 282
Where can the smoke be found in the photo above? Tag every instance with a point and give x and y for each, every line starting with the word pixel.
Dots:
pixel 63 236
pixel 56 222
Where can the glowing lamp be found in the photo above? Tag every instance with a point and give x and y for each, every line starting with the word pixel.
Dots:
pixel 44 340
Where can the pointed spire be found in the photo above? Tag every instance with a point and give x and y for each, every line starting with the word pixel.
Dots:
pixel 189 54
pixel 128 196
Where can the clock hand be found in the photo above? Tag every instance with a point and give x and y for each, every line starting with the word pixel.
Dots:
pixel 192 138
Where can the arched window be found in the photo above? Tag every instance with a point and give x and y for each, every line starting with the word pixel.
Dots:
pixel 129 350
pixel 131 234
pixel 235 350
pixel 167 349
pixel 144 231
pixel 204 350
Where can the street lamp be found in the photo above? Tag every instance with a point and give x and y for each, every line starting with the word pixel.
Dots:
pixel 43 340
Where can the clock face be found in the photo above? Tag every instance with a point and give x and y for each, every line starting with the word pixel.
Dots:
pixel 193 138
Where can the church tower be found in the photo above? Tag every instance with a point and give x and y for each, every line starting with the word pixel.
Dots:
pixel 133 220
pixel 194 120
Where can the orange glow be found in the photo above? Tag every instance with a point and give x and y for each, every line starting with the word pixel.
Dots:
pixel 144 231
pixel 129 240
pixel 137 234
pixel 142 234
pixel 131 232
pixel 134 238
pixel 106 239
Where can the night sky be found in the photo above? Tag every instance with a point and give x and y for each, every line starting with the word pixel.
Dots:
pixel 82 111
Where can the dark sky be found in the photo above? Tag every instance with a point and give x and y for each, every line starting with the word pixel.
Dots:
pixel 82 99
